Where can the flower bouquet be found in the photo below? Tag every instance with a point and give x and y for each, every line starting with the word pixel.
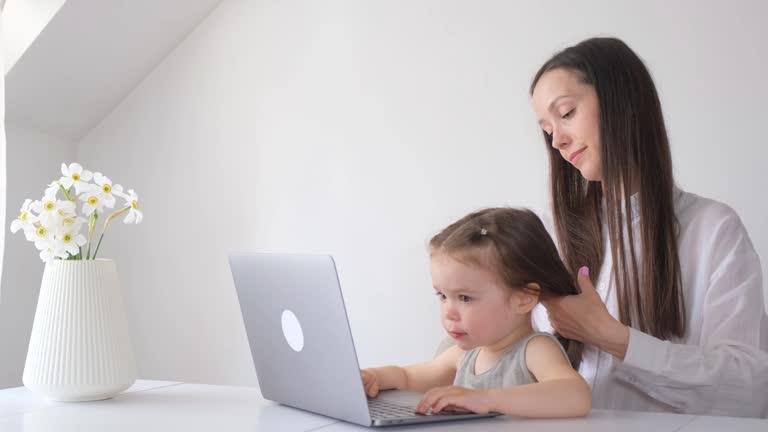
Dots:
pixel 80 348
pixel 55 225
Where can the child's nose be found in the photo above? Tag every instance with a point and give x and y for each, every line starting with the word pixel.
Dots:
pixel 451 313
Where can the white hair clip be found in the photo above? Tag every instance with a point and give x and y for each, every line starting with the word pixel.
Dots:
pixel 483 231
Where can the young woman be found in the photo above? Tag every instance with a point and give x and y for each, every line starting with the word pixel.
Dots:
pixel 677 319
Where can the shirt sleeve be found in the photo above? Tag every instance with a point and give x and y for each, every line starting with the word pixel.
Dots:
pixel 727 372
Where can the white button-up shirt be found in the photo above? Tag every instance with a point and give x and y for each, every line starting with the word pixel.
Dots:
pixel 720 367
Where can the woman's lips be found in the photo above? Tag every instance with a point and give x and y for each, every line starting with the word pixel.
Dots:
pixel 575 156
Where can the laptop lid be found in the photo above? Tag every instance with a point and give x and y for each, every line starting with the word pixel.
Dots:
pixel 299 335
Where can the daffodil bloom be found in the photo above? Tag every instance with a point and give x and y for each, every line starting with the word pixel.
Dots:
pixel 92 201
pixel 68 238
pixel 106 190
pixel 48 254
pixel 75 175
pixel 51 211
pixel 134 214
pixel 43 237
pixel 53 188
pixel 26 221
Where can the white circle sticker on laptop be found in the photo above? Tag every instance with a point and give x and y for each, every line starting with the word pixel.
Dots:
pixel 292 331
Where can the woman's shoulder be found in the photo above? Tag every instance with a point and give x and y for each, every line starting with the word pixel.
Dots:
pixel 696 211
pixel 710 228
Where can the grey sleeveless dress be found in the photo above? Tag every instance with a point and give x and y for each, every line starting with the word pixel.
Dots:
pixel 510 370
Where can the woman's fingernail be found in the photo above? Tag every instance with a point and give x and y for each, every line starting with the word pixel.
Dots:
pixel 584 270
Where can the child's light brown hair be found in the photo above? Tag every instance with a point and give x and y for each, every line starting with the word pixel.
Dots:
pixel 515 245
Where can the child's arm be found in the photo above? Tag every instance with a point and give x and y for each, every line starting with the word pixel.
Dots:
pixel 559 392
pixel 421 377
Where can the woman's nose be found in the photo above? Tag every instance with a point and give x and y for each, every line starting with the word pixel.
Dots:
pixel 560 139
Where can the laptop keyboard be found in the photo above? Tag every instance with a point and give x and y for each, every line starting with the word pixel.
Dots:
pixel 381 409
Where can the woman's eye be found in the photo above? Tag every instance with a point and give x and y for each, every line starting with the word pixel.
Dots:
pixel 465 299
pixel 569 114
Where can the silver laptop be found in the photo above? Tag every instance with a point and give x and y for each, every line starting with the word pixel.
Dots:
pixel 302 346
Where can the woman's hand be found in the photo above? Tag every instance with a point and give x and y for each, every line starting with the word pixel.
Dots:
pixel 454 398
pixel 584 317
pixel 370 382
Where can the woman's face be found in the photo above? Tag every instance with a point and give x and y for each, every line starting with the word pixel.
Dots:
pixel 568 111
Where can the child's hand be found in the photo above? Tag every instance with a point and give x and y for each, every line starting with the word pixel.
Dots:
pixel 453 398
pixel 370 382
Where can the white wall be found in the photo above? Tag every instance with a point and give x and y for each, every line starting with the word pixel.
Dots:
pixel 360 128
pixel 23 20
pixel 34 161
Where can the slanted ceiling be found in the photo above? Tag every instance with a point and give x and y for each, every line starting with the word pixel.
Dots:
pixel 90 56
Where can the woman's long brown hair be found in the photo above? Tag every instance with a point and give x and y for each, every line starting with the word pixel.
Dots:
pixel 521 252
pixel 635 155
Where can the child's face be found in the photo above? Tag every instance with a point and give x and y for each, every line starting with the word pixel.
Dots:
pixel 476 308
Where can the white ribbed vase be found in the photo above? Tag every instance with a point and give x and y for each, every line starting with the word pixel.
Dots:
pixel 80 349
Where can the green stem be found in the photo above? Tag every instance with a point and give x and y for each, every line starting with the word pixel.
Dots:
pixel 106 225
pixel 98 245
pixel 66 192
pixel 91 225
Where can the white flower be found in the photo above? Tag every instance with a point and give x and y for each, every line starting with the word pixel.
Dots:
pixel 68 239
pixel 75 175
pixel 25 221
pixel 51 211
pixel 93 201
pixel 106 189
pixel 43 238
pixel 47 254
pixel 134 214
pixel 53 188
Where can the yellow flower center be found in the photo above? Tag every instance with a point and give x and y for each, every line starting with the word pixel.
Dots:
pixel 49 205
pixel 135 204
pixel 23 216
pixel 61 212
pixel 75 176
pixel 67 238
pixel 41 232
pixel 68 221
pixel 106 188
pixel 93 200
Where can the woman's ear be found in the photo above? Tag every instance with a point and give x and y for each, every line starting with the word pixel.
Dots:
pixel 527 298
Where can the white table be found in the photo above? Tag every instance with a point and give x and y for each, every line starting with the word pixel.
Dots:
pixel 171 406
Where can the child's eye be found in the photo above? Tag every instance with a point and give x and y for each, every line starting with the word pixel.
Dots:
pixel 465 299
pixel 569 114
pixel 440 295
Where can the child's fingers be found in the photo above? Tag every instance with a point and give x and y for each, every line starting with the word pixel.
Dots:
pixel 370 384
pixel 429 399
pixel 442 403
